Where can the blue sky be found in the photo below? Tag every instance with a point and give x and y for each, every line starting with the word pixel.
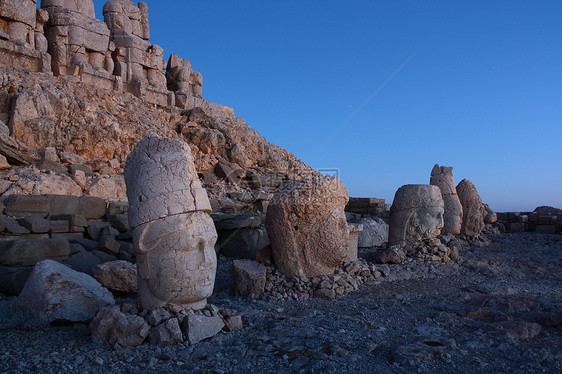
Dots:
pixel 476 85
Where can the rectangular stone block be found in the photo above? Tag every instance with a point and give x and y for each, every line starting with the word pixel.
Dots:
pixel 502 217
pixel 67 235
pixel 58 226
pixel 36 225
pixel 74 220
pixel 27 205
pixel 27 252
pixel 63 204
pixel 516 227
pixel 92 207
pixel 546 229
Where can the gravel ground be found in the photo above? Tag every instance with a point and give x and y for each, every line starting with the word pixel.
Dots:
pixel 498 310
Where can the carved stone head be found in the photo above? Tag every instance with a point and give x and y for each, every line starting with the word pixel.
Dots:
pixel 416 214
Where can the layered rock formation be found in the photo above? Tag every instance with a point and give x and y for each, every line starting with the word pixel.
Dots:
pixel 307 226
pixel 173 234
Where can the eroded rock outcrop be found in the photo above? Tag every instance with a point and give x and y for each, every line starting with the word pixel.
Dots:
pixel 307 226
pixel 173 234
pixel 416 215
pixel 442 177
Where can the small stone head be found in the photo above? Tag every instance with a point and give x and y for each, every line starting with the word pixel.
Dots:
pixel 416 215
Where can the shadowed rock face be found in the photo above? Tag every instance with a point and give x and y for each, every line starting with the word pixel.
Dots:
pixel 442 177
pixel 173 234
pixel 307 227
pixel 416 214
pixel 473 210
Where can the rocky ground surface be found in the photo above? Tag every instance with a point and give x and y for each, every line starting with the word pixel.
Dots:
pixel 498 310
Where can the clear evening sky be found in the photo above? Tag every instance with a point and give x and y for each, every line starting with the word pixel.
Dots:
pixel 383 90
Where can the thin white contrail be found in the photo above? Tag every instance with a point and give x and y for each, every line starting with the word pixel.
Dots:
pixel 371 96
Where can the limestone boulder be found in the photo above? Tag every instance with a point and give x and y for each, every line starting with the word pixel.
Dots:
pixel 473 210
pixel 416 215
pixel 442 177
pixel 166 333
pixel 117 275
pixel 307 226
pixel 55 292
pixel 374 234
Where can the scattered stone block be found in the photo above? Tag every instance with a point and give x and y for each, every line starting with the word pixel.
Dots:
pixel 516 226
pixel 72 168
pixel 36 225
pixel 12 226
pixel 249 277
pixel 233 323
pixel 27 252
pixel 546 229
pixel 114 327
pixel 119 221
pixel 117 275
pixel 157 316
pixel 55 292
pixel 83 262
pixel 197 328
pixel 109 245
pixel 166 333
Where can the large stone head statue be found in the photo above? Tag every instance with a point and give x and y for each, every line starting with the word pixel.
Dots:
pixel 173 234
pixel 442 177
pixel 473 210
pixel 416 214
pixel 307 227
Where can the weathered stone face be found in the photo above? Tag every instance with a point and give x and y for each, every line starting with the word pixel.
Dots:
pixel 416 215
pixel 307 227
pixel 473 210
pixel 442 177
pixel 173 234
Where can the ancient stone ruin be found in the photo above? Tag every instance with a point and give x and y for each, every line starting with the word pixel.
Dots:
pixel 416 215
pixel 473 210
pixel 173 234
pixel 307 226
pixel 442 177
pixel 64 37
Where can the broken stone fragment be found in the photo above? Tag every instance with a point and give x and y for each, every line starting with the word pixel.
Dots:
pixel 55 292
pixel 117 275
pixel 166 333
pixel 248 277
pixel 114 327
pixel 197 328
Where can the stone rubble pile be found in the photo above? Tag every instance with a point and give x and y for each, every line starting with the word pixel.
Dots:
pixel 125 326
pixel 346 278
